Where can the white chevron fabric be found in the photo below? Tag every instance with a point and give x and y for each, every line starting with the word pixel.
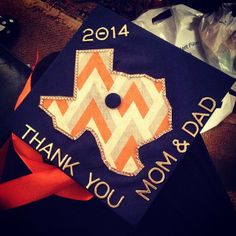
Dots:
pixel 143 115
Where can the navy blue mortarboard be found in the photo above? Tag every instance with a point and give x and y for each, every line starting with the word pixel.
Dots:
pixel 118 110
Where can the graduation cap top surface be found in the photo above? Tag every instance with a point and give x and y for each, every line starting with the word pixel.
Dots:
pixel 118 109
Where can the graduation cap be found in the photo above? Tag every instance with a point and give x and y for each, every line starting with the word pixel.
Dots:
pixel 118 111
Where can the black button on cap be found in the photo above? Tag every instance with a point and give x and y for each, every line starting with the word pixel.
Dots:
pixel 113 100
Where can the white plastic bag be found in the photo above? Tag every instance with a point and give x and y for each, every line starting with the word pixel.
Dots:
pixel 180 29
pixel 218 37
pixel 185 29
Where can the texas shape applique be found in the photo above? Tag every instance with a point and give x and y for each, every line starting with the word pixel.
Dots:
pixel 143 115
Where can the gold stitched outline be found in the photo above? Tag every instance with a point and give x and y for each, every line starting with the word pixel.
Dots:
pixel 128 76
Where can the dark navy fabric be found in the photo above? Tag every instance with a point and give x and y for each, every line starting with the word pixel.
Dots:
pixel 192 202
pixel 188 80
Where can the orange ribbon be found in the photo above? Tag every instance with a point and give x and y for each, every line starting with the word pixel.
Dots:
pixel 45 179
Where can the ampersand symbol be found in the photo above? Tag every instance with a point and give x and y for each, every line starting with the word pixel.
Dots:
pixel 181 146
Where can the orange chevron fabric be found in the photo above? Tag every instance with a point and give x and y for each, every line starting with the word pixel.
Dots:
pixel 128 151
pixel 95 62
pixel 133 96
pixel 143 115
pixel 92 112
